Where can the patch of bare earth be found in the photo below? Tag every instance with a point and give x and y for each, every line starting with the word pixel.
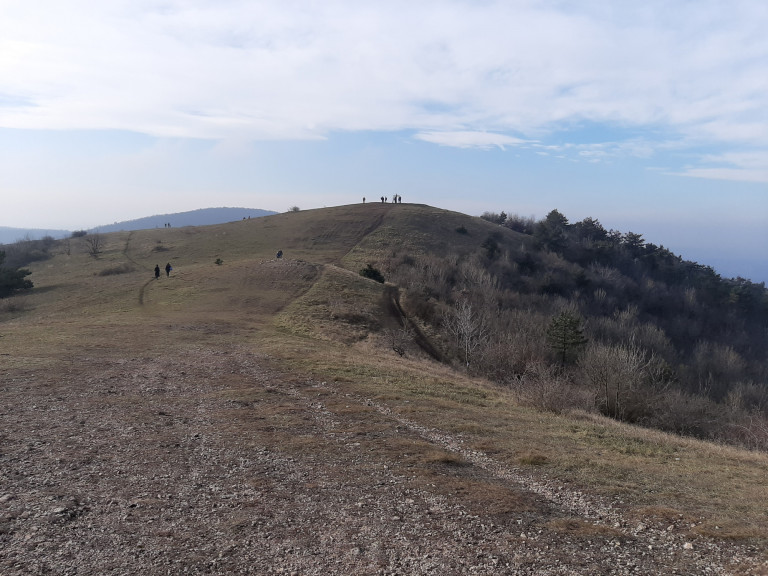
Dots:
pixel 211 462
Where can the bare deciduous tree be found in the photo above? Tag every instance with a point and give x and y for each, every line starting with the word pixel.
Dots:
pixel 94 243
pixel 616 373
pixel 399 339
pixel 470 328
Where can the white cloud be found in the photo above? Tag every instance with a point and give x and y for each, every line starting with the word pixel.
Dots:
pixel 457 73
pixel 469 139
pixel 733 174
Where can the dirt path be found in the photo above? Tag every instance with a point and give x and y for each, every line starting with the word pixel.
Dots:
pixel 208 461
pixel 392 304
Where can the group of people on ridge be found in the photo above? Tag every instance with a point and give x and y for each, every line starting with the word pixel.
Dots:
pixel 396 199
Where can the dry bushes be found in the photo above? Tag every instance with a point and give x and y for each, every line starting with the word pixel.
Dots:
pixel 11 305
pixel 656 351
pixel 545 387
pixel 115 270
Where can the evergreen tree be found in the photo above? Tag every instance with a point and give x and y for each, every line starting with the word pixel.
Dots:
pixel 565 336
pixel 552 232
pixel 373 273
pixel 12 280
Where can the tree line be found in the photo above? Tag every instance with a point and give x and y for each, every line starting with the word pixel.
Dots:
pixel 572 315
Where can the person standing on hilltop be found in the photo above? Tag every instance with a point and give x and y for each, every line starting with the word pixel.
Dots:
pixel 168 269
pixel 157 271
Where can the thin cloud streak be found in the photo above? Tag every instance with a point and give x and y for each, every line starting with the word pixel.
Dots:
pixel 469 139
pixel 302 70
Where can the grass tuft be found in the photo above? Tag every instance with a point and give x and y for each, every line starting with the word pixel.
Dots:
pixel 533 459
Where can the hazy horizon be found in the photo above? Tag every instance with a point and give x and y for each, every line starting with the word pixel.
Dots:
pixel 649 117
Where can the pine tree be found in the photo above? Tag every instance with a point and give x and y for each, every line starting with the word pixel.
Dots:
pixel 565 335
pixel 12 280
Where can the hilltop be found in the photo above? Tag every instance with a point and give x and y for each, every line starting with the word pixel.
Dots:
pixel 249 414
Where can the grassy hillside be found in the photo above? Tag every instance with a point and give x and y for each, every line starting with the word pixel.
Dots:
pixel 101 350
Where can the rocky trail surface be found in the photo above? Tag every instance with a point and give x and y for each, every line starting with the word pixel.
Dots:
pixel 212 462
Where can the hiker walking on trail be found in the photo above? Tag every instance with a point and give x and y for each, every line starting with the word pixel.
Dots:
pixel 157 271
pixel 168 269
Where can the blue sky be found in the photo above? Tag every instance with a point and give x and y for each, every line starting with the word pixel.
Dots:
pixel 651 117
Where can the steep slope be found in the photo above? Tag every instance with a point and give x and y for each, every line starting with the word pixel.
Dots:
pixel 251 417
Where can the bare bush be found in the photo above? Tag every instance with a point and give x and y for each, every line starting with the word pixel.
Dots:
pixel 716 366
pixel 616 374
pixel 11 305
pixel 523 224
pixel 750 431
pixel 469 328
pixel 94 244
pixel 115 270
pixel 400 339
pixel 748 396
pixel 686 414
pixel 510 354
pixel 544 387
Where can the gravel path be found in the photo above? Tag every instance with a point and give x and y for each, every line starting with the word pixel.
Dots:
pixel 211 463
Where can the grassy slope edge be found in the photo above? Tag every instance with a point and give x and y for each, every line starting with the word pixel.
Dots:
pixel 313 317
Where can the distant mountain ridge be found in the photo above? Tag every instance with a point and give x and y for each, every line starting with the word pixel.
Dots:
pixel 8 234
pixel 200 217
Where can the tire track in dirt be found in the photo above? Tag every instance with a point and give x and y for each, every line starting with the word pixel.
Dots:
pixel 367 231
pixel 142 289
pixel 139 265
pixel 704 556
pixel 392 302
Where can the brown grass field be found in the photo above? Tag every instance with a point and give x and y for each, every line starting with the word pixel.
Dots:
pixel 249 417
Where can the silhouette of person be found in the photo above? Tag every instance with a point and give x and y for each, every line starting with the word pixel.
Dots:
pixel 157 271
pixel 168 269
pixel 363 199
pixel 382 199
pixel 279 254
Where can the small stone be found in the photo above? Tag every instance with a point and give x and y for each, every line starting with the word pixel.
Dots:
pixel 688 546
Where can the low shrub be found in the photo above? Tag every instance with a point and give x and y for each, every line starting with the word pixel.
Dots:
pixel 373 273
pixel 114 270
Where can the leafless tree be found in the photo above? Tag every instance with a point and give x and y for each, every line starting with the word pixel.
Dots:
pixel 399 339
pixel 616 374
pixel 470 328
pixel 94 243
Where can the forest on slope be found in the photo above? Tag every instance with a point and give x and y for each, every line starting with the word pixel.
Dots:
pixel 572 315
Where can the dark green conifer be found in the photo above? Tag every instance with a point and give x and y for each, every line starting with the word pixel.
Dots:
pixel 565 335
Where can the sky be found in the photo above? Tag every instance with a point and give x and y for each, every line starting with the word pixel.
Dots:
pixel 650 116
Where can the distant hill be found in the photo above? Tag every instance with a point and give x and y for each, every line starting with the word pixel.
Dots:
pixel 9 235
pixel 201 217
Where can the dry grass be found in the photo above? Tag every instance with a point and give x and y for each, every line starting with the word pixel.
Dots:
pixel 297 315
